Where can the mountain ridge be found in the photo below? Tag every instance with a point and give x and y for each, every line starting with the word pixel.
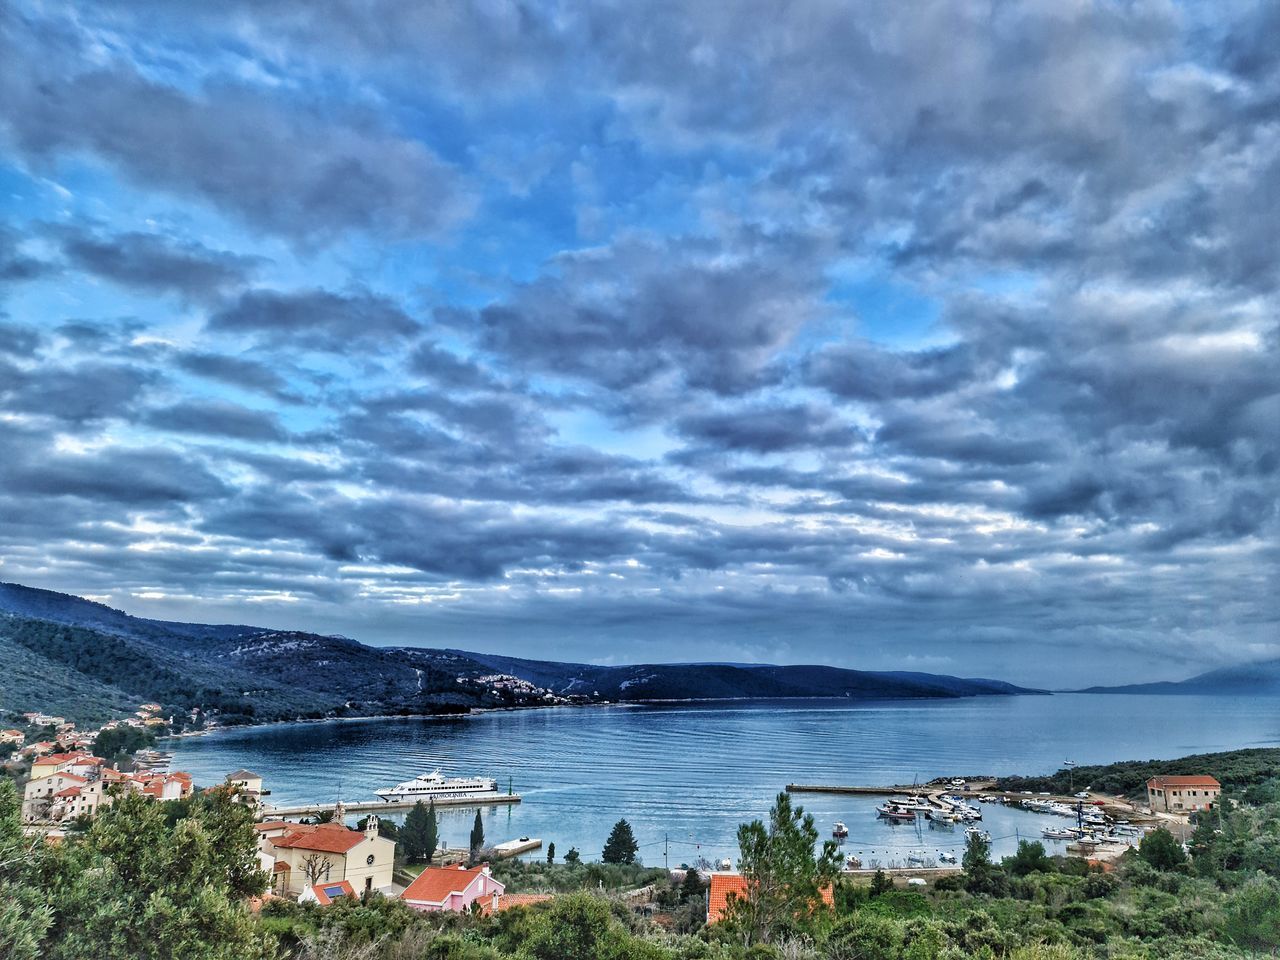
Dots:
pixel 238 673
pixel 1257 678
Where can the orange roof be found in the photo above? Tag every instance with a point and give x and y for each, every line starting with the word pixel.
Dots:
pixel 68 792
pixel 1183 782
pixel 723 884
pixel 324 837
pixel 73 778
pixel 326 893
pixel 434 884
pixel 509 901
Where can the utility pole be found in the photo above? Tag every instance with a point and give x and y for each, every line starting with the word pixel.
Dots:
pixel 665 849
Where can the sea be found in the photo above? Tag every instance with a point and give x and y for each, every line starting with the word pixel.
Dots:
pixel 685 776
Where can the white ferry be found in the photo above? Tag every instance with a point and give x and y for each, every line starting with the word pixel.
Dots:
pixel 435 786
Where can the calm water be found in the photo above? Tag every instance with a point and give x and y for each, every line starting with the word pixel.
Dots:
pixel 694 772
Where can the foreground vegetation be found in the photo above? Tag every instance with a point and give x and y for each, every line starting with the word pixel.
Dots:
pixel 152 880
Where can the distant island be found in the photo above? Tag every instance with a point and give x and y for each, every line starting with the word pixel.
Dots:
pixel 1258 679
pixel 74 657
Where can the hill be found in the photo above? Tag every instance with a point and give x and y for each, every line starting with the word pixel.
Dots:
pixel 1259 679
pixel 91 661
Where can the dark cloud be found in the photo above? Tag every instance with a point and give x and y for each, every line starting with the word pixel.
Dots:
pixel 645 311
pixel 243 372
pixel 218 419
pixel 152 263
pixel 317 319
pixel 80 393
pixel 282 166
pixel 769 429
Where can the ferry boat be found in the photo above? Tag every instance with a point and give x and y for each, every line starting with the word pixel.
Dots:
pixel 435 786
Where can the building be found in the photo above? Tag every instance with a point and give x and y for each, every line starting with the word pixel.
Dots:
pixel 325 893
pixel 305 854
pixel 1182 794
pixel 12 736
pixel 39 793
pixel 454 888
pixel 248 785
pixel 726 885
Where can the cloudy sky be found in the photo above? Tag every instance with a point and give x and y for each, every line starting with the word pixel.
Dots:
pixel 937 336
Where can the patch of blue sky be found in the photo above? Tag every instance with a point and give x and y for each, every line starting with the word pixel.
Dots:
pixel 589 428
pixel 869 302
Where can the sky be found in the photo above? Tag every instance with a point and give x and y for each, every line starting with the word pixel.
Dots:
pixel 929 336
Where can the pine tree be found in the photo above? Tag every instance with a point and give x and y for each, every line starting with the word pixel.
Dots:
pixel 431 837
pixel 621 847
pixel 572 856
pixel 784 877
pixel 691 887
pixel 477 836
pixel 551 852
pixel 414 833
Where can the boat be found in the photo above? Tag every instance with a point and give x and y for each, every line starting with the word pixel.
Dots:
pixel 941 818
pixel 852 863
pixel 895 813
pixel 839 831
pixel 947 857
pixel 912 802
pixel 915 859
pixel 436 786
pixel 1054 833
pixel 977 832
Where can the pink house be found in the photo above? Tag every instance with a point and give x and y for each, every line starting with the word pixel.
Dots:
pixel 453 888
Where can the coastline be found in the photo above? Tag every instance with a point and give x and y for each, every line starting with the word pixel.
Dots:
pixel 481 711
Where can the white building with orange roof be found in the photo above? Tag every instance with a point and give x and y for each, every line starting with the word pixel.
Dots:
pixel 38 794
pixel 305 854
pixel 12 736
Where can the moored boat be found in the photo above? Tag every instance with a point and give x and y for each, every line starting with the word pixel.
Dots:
pixel 436 786
pixel 895 813
pixel 839 830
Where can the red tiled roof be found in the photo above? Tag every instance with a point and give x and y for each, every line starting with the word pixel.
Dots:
pixel 434 884
pixel 723 884
pixel 73 778
pixel 509 901
pixel 68 792
pixel 326 893
pixel 324 837
pixel 1183 782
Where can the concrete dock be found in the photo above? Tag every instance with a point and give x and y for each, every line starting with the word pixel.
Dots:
pixel 383 806
pixel 513 848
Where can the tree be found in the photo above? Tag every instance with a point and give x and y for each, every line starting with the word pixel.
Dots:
pixel 418 839
pixel 476 843
pixel 621 847
pixel 691 887
pixel 551 852
pixel 880 883
pixel 980 874
pixel 1162 850
pixel 431 840
pixel 136 887
pixel 1253 915
pixel 577 927
pixel 386 828
pixel 573 856
pixel 315 868
pixel 1030 858
pixel 784 877
pixel 24 916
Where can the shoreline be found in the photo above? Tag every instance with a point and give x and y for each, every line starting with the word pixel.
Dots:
pixel 483 711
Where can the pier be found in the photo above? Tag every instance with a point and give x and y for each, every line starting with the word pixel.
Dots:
pixel 513 848
pixel 385 806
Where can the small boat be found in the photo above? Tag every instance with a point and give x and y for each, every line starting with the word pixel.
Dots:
pixel 941 818
pixel 852 863
pixel 1054 833
pixel 915 859
pixel 977 832
pixel 839 831
pixel 947 857
pixel 895 813
pixel 1068 763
